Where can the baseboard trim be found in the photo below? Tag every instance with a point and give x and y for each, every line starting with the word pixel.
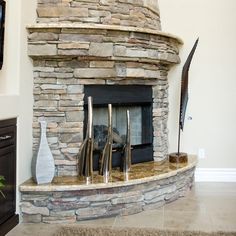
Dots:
pixel 215 175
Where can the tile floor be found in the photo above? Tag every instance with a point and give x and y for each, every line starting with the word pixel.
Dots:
pixel 208 207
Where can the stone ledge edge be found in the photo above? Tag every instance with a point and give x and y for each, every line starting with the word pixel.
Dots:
pixel 76 187
pixel 102 27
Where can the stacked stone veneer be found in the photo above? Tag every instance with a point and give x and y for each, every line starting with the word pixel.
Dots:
pixel 68 55
pixel 71 206
pixel 137 13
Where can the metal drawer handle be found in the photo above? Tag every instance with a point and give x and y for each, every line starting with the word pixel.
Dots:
pixel 5 137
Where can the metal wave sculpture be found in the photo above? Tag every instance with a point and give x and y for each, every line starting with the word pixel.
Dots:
pixel 106 157
pixel 127 147
pixel 85 165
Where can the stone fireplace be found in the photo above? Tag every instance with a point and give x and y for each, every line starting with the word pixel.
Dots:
pixel 110 43
pixel 114 51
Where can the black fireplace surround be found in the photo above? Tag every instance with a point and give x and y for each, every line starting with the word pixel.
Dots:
pixel 125 96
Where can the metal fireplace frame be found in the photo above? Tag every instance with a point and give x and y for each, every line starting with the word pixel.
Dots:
pixel 125 95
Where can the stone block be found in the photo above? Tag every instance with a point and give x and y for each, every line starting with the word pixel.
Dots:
pixel 54 119
pixel 90 212
pixel 28 208
pixel 52 12
pixel 120 51
pixel 141 36
pixel 41 36
pixel 68 81
pixel 73 64
pixel 136 52
pixel 65 163
pixel 92 81
pixel 102 64
pixel 71 138
pixel 75 89
pixel 59 219
pixel 56 75
pixel 129 199
pixel 64 204
pixel 151 194
pixel 172 58
pixel 70 150
pixel 135 72
pixel 42 50
pixel 51 63
pixel 121 69
pixel 101 49
pixel 94 73
pixel 74 45
pixel 154 54
pixel 70 103
pixel 75 116
pixel 91 19
pixel 64 70
pixel 156 199
pixel 81 38
pixel 170 197
pixel 45 103
pixel 53 86
pixel 65 171
pixel 62 213
pixel 34 197
pixel 137 15
pixel 72 125
pixel 101 204
pixel 97 197
pixel 73 52
pixel 152 74
pixel 99 13
pixel 43 69
pixel 73 97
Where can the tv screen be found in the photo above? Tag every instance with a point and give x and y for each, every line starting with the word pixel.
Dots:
pixel 2 25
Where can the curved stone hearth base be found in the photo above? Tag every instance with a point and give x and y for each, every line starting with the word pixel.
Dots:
pixel 67 199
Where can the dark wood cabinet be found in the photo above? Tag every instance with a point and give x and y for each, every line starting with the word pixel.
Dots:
pixel 8 217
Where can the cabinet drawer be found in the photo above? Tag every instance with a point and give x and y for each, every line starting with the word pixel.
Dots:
pixel 7 136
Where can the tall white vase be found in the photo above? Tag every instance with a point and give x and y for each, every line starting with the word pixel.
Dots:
pixel 43 167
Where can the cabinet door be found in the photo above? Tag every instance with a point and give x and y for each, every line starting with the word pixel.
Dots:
pixel 7 169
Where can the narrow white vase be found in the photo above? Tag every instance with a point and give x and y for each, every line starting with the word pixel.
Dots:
pixel 43 167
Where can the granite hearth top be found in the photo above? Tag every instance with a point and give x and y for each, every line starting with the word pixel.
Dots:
pixel 140 173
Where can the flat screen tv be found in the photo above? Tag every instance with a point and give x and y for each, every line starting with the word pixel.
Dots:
pixel 2 25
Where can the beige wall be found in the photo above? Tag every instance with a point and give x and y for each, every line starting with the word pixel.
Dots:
pixel 16 82
pixel 212 88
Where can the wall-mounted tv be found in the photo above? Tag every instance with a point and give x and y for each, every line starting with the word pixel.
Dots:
pixel 2 26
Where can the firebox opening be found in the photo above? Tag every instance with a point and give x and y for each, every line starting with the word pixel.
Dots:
pixel 135 98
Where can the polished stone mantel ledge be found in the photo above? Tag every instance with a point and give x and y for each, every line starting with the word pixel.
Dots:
pixel 75 26
pixel 139 174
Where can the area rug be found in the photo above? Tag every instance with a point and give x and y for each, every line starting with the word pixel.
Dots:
pixel 108 231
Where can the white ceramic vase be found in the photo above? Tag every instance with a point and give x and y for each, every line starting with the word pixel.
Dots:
pixel 43 167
